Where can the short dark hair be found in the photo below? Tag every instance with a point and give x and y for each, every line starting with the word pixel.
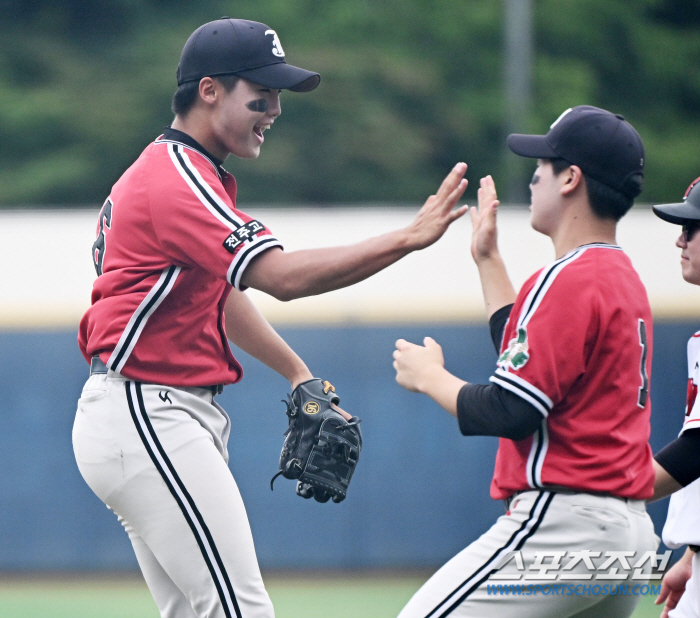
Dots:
pixel 185 96
pixel 606 202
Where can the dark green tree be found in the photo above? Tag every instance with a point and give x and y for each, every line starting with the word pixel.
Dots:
pixel 409 87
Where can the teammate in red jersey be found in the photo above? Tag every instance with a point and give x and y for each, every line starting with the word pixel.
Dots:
pixel 570 395
pixel 173 256
pixel 677 465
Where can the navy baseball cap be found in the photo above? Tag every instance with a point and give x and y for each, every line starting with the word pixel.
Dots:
pixel 604 145
pixel 244 48
pixel 687 210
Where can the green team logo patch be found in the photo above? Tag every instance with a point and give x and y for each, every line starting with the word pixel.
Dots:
pixel 516 354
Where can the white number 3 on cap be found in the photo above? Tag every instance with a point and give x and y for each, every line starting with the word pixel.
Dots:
pixel 276 45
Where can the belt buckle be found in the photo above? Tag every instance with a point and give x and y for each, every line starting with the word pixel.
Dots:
pixel 97 366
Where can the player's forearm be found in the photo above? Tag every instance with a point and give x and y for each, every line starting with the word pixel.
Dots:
pixel 443 388
pixel 496 285
pixel 685 562
pixel 677 464
pixel 248 329
pixel 314 271
pixel 687 558
pixel 308 272
pixel 664 483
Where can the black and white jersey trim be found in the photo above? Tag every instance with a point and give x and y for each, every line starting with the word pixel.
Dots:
pixel 538 451
pixel 190 512
pixel 511 381
pixel 543 283
pixel 515 384
pixel 549 274
pixel 183 145
pixel 219 209
pixel 521 387
pixel 453 600
pixel 201 189
pixel 246 254
pixel 139 318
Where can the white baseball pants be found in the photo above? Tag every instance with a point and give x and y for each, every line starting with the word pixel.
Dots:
pixel 542 522
pixel 156 455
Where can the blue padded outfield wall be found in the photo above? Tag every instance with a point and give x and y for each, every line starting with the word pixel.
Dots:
pixel 420 493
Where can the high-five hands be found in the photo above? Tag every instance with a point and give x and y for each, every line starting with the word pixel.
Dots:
pixel 495 284
pixel 439 211
pixel 484 230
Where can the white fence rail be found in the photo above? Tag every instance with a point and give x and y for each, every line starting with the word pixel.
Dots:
pixel 47 272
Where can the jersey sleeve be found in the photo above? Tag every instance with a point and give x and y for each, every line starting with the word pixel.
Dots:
pixel 497 325
pixel 680 457
pixel 489 410
pixel 196 221
pixel 545 342
pixel 692 410
pixel 692 417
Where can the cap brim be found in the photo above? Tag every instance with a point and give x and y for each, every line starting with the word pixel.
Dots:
pixel 282 76
pixel 532 146
pixel 677 213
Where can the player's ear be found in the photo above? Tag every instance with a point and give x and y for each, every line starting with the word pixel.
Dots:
pixel 571 179
pixel 208 89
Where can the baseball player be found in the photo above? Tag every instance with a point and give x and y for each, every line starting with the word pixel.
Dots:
pixel 173 256
pixel 569 397
pixel 677 465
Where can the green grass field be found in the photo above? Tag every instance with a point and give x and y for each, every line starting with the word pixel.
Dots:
pixel 310 596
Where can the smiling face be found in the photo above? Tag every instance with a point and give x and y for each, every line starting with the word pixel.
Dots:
pixel 240 116
pixel 689 244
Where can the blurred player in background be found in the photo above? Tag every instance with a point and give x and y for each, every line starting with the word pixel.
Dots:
pixel 677 465
pixel 173 256
pixel 569 398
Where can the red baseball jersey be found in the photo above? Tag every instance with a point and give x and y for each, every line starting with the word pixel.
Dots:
pixel 170 244
pixel 578 346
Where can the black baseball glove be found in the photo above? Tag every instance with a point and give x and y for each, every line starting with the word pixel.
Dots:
pixel 321 448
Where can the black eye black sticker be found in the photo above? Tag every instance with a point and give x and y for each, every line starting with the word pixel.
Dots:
pixel 259 105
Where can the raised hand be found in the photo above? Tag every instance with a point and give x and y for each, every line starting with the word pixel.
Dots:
pixel 495 283
pixel 484 228
pixel 438 212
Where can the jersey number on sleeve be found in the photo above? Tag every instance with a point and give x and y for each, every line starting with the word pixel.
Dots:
pixel 98 247
pixel 644 388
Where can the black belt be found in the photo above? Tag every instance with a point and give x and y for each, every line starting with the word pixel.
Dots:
pixel 97 366
pixel 557 489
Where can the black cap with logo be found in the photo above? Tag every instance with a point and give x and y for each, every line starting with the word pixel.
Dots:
pixel 244 48
pixel 604 145
pixel 680 212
